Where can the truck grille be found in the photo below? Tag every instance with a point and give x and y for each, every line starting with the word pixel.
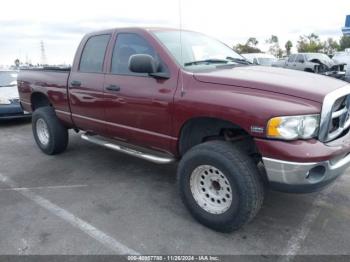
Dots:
pixel 335 115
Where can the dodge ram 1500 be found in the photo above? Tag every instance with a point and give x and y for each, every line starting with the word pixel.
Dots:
pixel 235 128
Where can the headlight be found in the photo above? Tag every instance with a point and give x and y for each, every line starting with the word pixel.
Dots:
pixel 4 101
pixel 293 127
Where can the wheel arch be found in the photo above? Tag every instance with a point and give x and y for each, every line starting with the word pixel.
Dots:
pixel 197 130
pixel 39 99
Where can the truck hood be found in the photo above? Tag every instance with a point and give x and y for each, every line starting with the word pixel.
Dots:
pixel 278 80
pixel 9 92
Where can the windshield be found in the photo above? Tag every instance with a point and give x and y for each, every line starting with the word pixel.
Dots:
pixel 198 50
pixel 266 61
pixel 8 78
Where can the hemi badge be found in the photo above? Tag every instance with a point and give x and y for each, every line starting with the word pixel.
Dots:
pixel 257 129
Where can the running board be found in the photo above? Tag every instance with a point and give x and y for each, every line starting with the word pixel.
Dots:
pixel 147 154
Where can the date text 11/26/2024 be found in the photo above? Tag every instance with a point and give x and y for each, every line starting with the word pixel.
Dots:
pixel 173 258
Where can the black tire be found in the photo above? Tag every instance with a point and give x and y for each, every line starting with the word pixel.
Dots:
pixel 242 174
pixel 57 133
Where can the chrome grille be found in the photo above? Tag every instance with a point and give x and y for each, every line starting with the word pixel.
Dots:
pixel 335 115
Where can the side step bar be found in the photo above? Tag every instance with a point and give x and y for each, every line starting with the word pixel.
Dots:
pixel 150 155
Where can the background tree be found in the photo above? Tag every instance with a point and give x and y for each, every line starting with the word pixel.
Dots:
pixel 252 41
pixel 344 42
pixel 274 48
pixel 288 47
pixel 249 47
pixel 309 43
pixel 17 62
pixel 330 46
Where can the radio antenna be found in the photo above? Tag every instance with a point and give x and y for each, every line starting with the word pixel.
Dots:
pixel 181 54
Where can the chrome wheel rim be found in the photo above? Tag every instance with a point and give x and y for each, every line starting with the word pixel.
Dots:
pixel 42 131
pixel 211 189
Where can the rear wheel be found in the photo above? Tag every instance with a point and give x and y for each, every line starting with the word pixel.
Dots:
pixel 220 185
pixel 50 135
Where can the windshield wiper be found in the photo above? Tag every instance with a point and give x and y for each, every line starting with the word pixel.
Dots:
pixel 7 85
pixel 207 61
pixel 239 60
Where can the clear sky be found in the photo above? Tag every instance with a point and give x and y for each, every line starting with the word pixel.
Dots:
pixel 61 24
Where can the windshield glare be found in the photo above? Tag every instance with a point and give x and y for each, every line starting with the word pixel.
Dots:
pixel 195 47
pixel 8 78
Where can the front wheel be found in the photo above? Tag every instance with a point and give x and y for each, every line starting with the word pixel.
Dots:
pixel 220 185
pixel 50 135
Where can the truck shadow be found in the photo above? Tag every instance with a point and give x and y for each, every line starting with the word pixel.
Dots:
pixel 127 193
pixel 280 210
pixel 15 122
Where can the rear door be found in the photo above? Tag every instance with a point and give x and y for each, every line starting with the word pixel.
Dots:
pixel 86 85
pixel 138 107
pixel 291 62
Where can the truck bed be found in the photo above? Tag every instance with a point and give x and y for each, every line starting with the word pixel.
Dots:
pixel 50 81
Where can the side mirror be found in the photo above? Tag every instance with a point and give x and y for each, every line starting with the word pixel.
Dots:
pixel 142 63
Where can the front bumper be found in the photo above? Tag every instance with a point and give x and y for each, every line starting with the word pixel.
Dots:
pixel 13 110
pixel 304 177
pixel 304 165
pixel 336 74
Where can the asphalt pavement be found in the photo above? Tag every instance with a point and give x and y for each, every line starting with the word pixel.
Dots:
pixel 91 200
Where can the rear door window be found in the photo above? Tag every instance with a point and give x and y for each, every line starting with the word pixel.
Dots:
pixel 93 54
pixel 291 59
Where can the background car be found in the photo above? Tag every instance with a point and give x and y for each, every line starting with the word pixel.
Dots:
pixel 260 58
pixel 315 63
pixel 344 57
pixel 10 106
pixel 280 62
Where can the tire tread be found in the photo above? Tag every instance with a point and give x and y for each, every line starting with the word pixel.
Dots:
pixel 58 132
pixel 245 165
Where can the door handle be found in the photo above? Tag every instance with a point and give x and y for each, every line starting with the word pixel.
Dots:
pixel 113 88
pixel 75 83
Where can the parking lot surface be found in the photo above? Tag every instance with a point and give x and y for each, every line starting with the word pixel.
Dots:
pixel 91 200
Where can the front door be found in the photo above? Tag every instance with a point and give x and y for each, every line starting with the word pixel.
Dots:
pixel 300 62
pixel 138 107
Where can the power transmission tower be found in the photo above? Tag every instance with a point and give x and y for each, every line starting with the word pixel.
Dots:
pixel 43 54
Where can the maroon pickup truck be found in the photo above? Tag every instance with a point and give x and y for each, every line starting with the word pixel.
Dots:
pixel 235 128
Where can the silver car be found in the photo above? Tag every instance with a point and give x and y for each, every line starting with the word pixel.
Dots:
pixel 10 106
pixel 315 63
pixel 344 57
pixel 260 58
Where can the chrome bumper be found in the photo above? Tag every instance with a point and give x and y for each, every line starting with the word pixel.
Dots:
pixel 306 175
